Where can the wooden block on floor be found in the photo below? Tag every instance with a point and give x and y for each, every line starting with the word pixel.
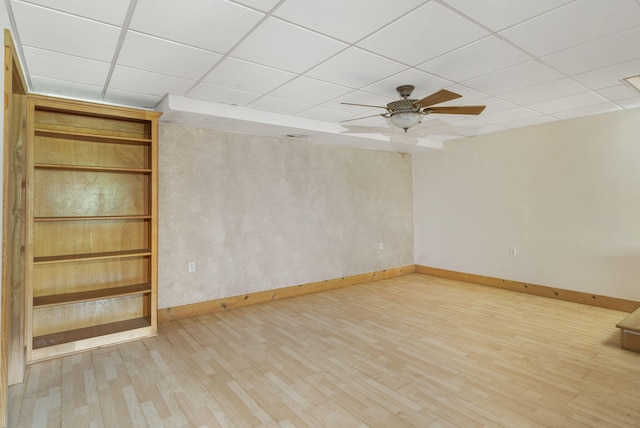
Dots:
pixel 630 332
pixel 630 341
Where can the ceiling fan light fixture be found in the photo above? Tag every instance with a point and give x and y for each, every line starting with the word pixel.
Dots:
pixel 405 120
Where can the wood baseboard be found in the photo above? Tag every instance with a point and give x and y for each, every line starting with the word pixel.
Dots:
pixel 218 305
pixel 538 290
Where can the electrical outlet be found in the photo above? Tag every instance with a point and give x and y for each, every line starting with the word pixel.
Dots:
pixel 513 251
pixel 191 266
pixel 381 246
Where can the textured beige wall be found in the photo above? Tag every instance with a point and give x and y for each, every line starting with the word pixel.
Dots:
pixel 565 194
pixel 258 213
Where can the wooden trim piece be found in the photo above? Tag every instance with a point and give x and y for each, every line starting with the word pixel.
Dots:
pixel 12 315
pixel 219 305
pixel 153 266
pixel 538 290
pixel 92 108
pixel 29 226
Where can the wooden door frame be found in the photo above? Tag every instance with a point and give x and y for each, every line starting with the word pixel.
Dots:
pixel 12 354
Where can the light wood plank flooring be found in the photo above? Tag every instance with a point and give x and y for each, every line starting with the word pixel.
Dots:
pixel 410 351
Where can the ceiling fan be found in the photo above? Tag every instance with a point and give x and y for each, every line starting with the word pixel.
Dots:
pixel 408 112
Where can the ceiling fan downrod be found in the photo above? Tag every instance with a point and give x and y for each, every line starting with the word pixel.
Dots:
pixel 405 90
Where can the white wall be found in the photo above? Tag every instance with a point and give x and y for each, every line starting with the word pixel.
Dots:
pixel 565 194
pixel 259 213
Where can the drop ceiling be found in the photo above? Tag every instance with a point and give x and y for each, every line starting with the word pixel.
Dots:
pixel 283 67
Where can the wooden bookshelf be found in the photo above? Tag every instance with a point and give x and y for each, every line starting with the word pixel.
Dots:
pixel 91 225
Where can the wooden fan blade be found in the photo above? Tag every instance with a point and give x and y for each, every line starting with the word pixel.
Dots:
pixel 363 117
pixel 437 98
pixel 455 110
pixel 363 105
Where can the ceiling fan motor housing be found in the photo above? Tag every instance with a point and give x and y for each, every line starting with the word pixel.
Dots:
pixel 402 106
pixel 405 105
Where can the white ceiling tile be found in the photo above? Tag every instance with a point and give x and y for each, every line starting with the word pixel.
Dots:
pixel 514 78
pixel 263 5
pixel 535 120
pixel 277 105
pixel 562 30
pixel 110 12
pixel 469 127
pixel 165 57
pixel 215 25
pixel 419 36
pixel 587 111
pixel 362 123
pixel 544 92
pixel 355 68
pixel 474 60
pixel 499 14
pixel 359 97
pixel 451 129
pixel 374 118
pixel 63 88
pixel 145 82
pixel 435 121
pixel 571 102
pixel 630 103
pixel 344 19
pixel 509 115
pixel 442 120
pixel 468 95
pixel 493 105
pixel 447 137
pixel 325 114
pixel 618 92
pixel 247 76
pixel 70 46
pixel 609 76
pixel 222 94
pixel 425 84
pixel 604 52
pixel 60 66
pixel 489 129
pixel 46 29
pixel 287 47
pixel 128 98
pixel 309 91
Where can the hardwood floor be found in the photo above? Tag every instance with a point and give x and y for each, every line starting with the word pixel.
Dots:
pixel 410 351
